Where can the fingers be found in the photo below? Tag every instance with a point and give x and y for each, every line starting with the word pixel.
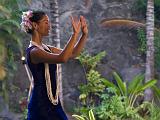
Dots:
pixel 84 25
pixel 75 24
pixel 83 21
pixel 79 24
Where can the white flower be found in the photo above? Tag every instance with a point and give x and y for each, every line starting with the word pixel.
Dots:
pixel 26 24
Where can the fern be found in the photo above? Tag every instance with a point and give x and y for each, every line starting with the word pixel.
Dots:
pixel 89 61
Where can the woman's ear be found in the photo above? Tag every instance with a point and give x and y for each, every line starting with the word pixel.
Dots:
pixel 34 25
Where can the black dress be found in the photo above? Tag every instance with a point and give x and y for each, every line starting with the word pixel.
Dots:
pixel 40 107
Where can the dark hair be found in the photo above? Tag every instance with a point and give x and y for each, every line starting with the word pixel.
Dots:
pixel 37 16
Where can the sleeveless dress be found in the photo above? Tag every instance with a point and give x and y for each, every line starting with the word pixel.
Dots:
pixel 40 107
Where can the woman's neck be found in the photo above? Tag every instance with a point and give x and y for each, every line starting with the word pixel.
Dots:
pixel 37 38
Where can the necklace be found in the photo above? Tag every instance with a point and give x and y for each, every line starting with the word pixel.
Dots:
pixel 53 99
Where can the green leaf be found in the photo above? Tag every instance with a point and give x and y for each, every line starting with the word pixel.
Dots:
pixel 82 96
pixel 156 91
pixel 133 85
pixel 12 22
pixel 4 11
pixel 91 115
pixel 17 40
pixel 120 83
pixel 2 51
pixel 78 117
pixel 146 85
pixel 107 83
pixel 6 28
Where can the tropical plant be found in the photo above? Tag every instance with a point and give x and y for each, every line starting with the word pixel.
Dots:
pixel 133 90
pixel 120 101
pixel 156 91
pixel 142 41
pixel 115 107
pixel 10 44
pixel 154 113
pixel 9 27
pixel 94 87
pixel 90 91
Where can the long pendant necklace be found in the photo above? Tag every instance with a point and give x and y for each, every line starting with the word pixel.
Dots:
pixel 54 100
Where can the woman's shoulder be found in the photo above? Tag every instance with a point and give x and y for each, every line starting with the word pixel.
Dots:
pixel 30 48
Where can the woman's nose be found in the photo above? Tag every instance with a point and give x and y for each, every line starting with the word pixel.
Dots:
pixel 49 26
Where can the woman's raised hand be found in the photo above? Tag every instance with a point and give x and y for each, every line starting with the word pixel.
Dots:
pixel 76 24
pixel 84 25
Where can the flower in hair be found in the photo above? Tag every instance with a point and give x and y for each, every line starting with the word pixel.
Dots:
pixel 26 24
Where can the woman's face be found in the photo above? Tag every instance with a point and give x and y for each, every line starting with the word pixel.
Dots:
pixel 44 26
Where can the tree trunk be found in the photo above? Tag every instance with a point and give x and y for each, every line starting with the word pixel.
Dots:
pixel 149 73
pixel 55 35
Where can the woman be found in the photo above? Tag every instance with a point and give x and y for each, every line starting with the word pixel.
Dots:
pixel 44 103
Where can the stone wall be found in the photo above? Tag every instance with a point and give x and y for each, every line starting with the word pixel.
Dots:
pixel 120 43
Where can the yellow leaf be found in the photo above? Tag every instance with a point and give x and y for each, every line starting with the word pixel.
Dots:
pixel 2 73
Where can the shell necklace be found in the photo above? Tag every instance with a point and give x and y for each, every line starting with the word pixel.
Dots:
pixel 53 99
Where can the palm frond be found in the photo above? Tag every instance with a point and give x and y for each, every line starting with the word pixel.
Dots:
pixel 4 12
pixel 12 22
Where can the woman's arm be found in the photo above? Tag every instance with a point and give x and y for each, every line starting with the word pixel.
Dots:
pixel 79 46
pixel 39 56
